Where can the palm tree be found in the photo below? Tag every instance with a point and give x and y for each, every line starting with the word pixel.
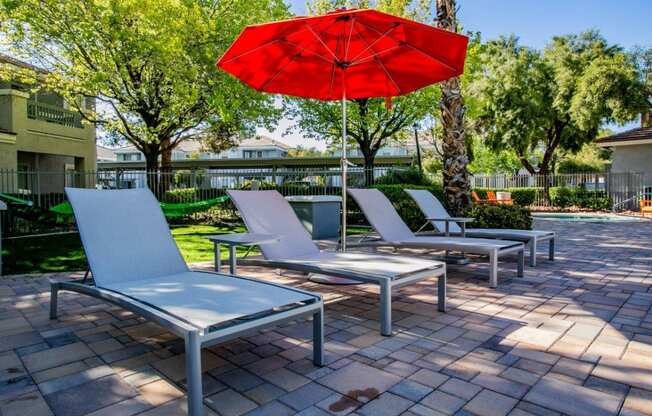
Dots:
pixel 455 173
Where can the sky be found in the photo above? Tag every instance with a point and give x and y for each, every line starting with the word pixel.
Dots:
pixel 535 22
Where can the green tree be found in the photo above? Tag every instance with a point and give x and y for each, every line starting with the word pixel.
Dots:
pixel 488 161
pixel 555 100
pixel 643 59
pixel 149 64
pixel 301 151
pixel 369 124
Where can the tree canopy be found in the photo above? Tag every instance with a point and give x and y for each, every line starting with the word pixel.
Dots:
pixel 555 99
pixel 148 63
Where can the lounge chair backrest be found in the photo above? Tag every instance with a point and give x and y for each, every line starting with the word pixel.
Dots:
pixel 432 208
pixel 381 214
pixel 267 212
pixel 125 235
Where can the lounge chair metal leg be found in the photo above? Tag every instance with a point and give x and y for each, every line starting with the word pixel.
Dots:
pixel 441 293
pixel 232 260
pixel 218 256
pixel 318 337
pixel 493 269
pixel 54 300
pixel 520 263
pixel 533 252
pixel 551 249
pixel 386 308
pixel 193 375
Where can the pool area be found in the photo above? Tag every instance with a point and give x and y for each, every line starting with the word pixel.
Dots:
pixel 581 217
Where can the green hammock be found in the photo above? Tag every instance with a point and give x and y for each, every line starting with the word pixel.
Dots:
pixel 15 200
pixel 170 210
pixel 178 210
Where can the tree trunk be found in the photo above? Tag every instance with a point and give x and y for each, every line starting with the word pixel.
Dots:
pixel 151 168
pixel 166 167
pixel 368 171
pixel 455 173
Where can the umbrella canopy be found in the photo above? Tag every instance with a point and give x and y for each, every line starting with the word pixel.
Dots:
pixel 346 54
pixel 359 53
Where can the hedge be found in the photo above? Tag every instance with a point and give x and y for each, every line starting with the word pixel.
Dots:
pixel 521 196
pixel 500 216
pixel 564 197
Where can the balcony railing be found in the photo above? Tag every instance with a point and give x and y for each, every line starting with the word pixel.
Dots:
pixel 53 114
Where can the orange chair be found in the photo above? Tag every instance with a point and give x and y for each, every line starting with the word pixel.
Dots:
pixel 491 197
pixel 646 206
pixel 478 200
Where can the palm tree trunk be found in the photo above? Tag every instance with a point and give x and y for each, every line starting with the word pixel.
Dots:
pixel 455 173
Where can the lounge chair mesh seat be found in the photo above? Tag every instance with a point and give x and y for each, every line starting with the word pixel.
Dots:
pixel 267 212
pixel 382 216
pixel 433 208
pixel 136 264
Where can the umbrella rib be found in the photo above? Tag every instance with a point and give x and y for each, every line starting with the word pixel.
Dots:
pixel 431 57
pixel 292 58
pixel 413 47
pixel 348 42
pixel 334 68
pixel 380 63
pixel 304 48
pixel 322 42
pixel 271 42
pixel 379 53
pixel 280 38
pixel 370 45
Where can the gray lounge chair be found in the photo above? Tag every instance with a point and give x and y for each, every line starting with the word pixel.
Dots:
pixel 432 208
pixel 137 265
pixel 395 233
pixel 267 212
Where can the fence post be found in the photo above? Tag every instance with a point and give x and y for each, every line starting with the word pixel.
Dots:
pixel 3 208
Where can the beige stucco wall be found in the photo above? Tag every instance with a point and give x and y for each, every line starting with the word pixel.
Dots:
pixel 633 158
pixel 36 136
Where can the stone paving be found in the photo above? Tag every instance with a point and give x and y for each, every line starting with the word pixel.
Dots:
pixel 571 337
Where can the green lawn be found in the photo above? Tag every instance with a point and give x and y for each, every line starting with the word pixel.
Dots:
pixel 64 252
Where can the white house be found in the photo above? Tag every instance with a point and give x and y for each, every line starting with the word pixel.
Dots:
pixel 391 148
pixel 259 147
pixel 631 152
pixel 105 154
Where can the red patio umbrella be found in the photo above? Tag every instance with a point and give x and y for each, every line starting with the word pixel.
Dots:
pixel 346 54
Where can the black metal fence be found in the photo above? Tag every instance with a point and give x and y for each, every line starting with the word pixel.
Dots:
pixel 34 196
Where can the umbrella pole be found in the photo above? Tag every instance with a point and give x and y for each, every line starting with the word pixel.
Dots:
pixel 344 169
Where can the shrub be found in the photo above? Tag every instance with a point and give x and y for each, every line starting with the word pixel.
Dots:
pixel 596 200
pixel 562 197
pixel 500 216
pixel 262 185
pixel 180 195
pixel 412 175
pixel 523 196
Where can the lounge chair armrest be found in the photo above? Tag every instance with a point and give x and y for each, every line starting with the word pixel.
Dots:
pixel 452 219
pixel 245 239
